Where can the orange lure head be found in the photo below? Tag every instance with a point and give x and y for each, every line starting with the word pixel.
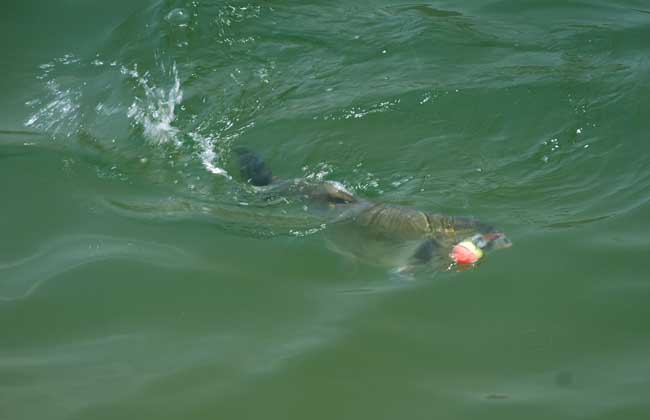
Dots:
pixel 470 251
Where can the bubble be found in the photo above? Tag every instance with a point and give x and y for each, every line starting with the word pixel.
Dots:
pixel 178 17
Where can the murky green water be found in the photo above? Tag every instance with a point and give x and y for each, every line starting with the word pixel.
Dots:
pixel 139 280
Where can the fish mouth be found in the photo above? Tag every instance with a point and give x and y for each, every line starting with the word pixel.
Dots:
pixel 498 240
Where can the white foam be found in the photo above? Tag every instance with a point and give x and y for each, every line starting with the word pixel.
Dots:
pixel 156 110
pixel 61 111
pixel 208 155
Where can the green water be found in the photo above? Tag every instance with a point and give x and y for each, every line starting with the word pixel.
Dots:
pixel 139 281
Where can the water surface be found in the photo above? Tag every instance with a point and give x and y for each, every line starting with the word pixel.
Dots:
pixel 139 278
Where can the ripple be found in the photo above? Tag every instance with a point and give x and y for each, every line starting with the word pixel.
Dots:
pixel 22 277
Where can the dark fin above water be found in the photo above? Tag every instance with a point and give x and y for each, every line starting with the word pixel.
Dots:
pixel 253 168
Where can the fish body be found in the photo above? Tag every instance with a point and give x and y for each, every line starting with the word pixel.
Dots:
pixel 400 237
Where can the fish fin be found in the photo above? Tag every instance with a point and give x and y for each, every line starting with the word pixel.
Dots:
pixel 404 273
pixel 424 254
pixel 253 168
pixel 425 251
pixel 337 194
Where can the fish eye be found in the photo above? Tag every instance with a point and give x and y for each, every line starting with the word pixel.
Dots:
pixel 479 241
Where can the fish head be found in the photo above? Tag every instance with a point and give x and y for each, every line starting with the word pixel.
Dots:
pixel 491 241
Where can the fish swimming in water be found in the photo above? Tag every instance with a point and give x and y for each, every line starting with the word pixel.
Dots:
pixel 403 238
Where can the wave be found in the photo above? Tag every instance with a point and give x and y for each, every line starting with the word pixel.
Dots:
pixel 22 277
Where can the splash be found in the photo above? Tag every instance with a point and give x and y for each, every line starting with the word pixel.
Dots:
pixel 115 105
pixel 319 173
pixel 207 154
pixel 357 112
pixel 307 232
pixel 228 17
pixel 155 112
pixel 58 113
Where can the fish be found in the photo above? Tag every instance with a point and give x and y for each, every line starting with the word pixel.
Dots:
pixel 403 238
